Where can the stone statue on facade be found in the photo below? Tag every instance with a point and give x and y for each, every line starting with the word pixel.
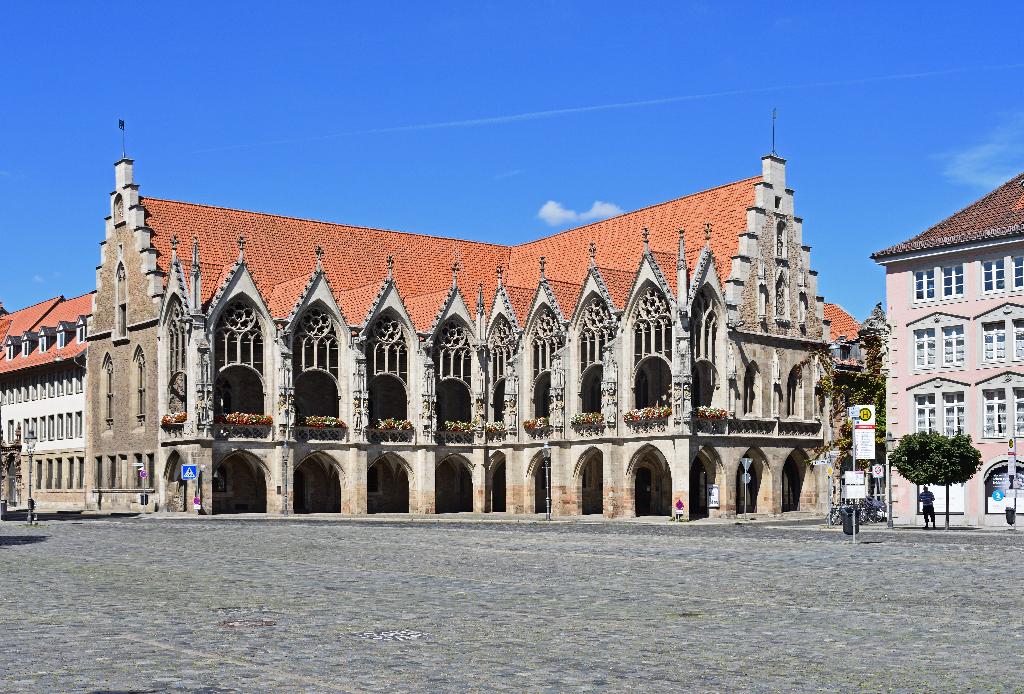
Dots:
pixel 610 387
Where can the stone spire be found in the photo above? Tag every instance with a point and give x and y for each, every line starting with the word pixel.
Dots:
pixel 682 271
pixel 501 276
pixel 319 259
pixel 543 262
pixel 241 248
pixel 197 277
pixel 391 267
pixel 455 275
pixel 480 299
pixel 646 236
pixel 174 247
pixel 593 254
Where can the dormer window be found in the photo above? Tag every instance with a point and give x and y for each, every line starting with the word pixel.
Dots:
pixel 43 343
pixel 80 332
pixel 62 339
pixel 25 347
pixel 10 350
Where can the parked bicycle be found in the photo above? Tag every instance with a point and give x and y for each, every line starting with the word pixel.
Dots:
pixel 868 511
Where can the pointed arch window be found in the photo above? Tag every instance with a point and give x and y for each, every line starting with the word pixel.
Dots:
pixel 177 351
pixel 652 328
pixel 502 347
pixel 121 301
pixel 388 354
pixel 762 300
pixel 795 393
pixel 547 339
pixel 452 352
pixel 317 343
pixel 596 329
pixel 801 308
pixel 108 389
pixel 705 328
pixel 139 362
pixel 239 337
pixel 752 390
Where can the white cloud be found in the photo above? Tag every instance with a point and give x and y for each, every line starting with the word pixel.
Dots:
pixel 38 279
pixel 555 214
pixel 991 162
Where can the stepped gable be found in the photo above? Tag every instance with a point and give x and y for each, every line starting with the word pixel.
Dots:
pixel 279 252
pixel 998 214
pixel 46 314
pixel 843 324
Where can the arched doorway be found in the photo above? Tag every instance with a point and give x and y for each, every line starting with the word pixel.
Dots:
pixel 498 484
pixel 652 485
pixel 387 399
pixel 453 487
pixel 591 484
pixel 316 395
pixel 175 489
pixel 317 487
pixel 239 485
pixel 387 486
pixel 702 476
pixel 590 389
pixel 792 484
pixel 757 490
pixel 540 487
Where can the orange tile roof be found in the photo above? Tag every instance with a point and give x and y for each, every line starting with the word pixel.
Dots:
pixel 279 252
pixel 843 324
pixel 998 214
pixel 46 314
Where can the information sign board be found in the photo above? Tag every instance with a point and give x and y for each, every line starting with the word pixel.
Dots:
pixel 863 417
pixel 713 498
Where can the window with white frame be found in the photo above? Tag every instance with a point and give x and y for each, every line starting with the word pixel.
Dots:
pixel 1018 272
pixel 994 402
pixel 924 347
pixel 993 275
pixel 924 285
pixel 953 280
pixel 1018 339
pixel 994 335
pixel 1018 411
pixel 953 414
pixel 924 408
pixel 953 345
pixel 62 339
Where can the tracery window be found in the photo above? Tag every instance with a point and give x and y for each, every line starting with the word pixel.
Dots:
pixel 177 355
pixel 751 390
pixel 502 347
pixel 453 352
pixel 547 339
pixel 239 337
pixel 595 331
pixel 388 353
pixel 317 343
pixel 652 330
pixel 705 329
pixel 795 393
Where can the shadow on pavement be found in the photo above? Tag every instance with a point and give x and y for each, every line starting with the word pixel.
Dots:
pixel 74 516
pixel 9 540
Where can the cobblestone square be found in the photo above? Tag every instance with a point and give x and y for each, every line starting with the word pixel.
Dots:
pixel 239 605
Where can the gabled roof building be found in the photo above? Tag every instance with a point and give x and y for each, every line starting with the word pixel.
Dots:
pixel 308 366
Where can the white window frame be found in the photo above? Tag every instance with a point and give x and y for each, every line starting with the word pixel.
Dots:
pixel 923 337
pixel 993 275
pixel 924 284
pixel 1017 263
pixel 993 340
pixel 924 412
pixel 993 413
pixel 954 413
pixel 952 281
pixel 954 343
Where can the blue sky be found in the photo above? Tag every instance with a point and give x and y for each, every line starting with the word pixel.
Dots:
pixel 891 115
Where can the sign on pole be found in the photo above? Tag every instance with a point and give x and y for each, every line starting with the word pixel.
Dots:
pixel 746 463
pixel 1011 462
pixel 189 472
pixel 863 417
pixel 877 471
pixel 854 485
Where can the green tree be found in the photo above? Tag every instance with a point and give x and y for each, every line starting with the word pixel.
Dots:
pixel 931 458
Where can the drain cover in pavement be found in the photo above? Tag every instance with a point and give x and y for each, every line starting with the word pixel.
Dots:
pixel 398 635
pixel 245 623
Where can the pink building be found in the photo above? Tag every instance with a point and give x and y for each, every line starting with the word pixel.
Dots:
pixel 955 298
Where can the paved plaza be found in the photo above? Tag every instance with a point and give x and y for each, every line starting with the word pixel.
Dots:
pixel 157 604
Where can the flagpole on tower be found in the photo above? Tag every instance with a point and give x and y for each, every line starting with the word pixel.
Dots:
pixel 120 124
pixel 774 114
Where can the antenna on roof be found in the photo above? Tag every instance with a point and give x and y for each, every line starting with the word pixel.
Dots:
pixel 774 115
pixel 391 267
pixel 593 254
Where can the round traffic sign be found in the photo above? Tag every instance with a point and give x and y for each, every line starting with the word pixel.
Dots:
pixel 865 414
pixel 746 478
pixel 998 495
pixel 829 471
pixel 877 471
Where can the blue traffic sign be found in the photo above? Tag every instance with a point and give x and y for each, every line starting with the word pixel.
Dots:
pixel 998 495
pixel 189 472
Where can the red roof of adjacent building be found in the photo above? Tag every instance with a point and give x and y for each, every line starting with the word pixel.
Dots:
pixel 998 214
pixel 279 253
pixel 45 314
pixel 843 324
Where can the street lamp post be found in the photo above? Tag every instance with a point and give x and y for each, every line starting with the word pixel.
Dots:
pixel 30 448
pixel 890 446
pixel 546 452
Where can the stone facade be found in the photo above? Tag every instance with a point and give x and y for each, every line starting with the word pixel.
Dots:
pixel 292 394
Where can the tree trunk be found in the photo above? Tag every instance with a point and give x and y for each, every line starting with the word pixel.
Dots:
pixel 947 507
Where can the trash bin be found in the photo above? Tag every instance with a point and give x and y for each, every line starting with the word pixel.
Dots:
pixel 1011 516
pixel 850 516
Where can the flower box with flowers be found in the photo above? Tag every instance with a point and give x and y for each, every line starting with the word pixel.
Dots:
pixel 537 425
pixel 705 412
pixel 392 424
pixel 175 419
pixel 647 414
pixel 495 429
pixel 587 420
pixel 456 427
pixel 244 419
pixel 323 422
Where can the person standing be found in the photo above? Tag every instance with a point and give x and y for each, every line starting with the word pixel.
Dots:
pixel 927 500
